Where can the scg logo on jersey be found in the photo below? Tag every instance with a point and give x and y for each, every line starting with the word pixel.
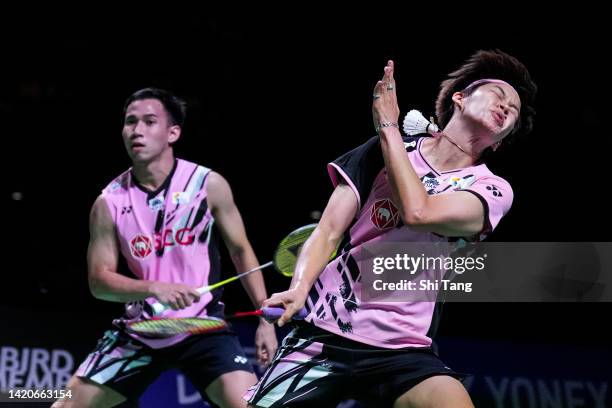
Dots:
pixel 142 245
pixel 170 237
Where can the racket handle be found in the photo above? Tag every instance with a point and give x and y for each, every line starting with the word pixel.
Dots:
pixel 273 313
pixel 158 308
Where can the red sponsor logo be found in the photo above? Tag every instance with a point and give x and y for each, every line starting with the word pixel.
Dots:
pixel 141 246
pixel 170 237
pixel 384 214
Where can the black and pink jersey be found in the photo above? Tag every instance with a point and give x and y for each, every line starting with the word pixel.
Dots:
pixel 333 302
pixel 167 235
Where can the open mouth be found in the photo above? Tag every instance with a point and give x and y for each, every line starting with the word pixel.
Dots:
pixel 499 118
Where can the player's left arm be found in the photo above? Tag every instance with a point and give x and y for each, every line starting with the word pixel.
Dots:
pixel 229 220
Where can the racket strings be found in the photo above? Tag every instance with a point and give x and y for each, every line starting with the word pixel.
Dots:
pixel 169 327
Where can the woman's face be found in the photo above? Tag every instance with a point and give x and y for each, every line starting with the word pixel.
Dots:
pixel 496 106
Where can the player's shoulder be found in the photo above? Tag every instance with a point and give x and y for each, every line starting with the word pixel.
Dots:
pixel 100 213
pixel 182 164
pixel 483 172
pixel 119 184
pixel 216 182
pixel 191 172
pixel 497 185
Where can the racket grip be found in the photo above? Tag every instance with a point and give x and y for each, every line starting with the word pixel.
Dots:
pixel 158 308
pixel 273 313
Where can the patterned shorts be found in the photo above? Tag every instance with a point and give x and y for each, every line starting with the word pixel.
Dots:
pixel 315 368
pixel 129 367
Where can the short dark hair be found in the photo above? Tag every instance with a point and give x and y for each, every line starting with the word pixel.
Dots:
pixel 494 64
pixel 174 106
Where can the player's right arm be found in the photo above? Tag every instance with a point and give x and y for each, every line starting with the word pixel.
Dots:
pixel 107 284
pixel 314 255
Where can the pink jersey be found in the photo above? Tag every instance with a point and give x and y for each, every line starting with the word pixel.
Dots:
pixel 333 301
pixel 167 235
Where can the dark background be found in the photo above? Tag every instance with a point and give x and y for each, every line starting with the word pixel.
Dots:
pixel 272 100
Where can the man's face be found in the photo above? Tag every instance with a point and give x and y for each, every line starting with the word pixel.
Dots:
pixel 147 130
pixel 496 106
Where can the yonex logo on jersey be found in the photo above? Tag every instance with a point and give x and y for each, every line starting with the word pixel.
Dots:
pixel 494 191
pixel 384 214
pixel 141 246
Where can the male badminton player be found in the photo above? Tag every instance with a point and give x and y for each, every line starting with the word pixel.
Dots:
pixel 161 216
pixel 426 188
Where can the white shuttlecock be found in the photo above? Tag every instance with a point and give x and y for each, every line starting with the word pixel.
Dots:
pixel 415 123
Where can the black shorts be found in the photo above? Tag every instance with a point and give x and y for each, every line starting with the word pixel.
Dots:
pixel 315 368
pixel 129 367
